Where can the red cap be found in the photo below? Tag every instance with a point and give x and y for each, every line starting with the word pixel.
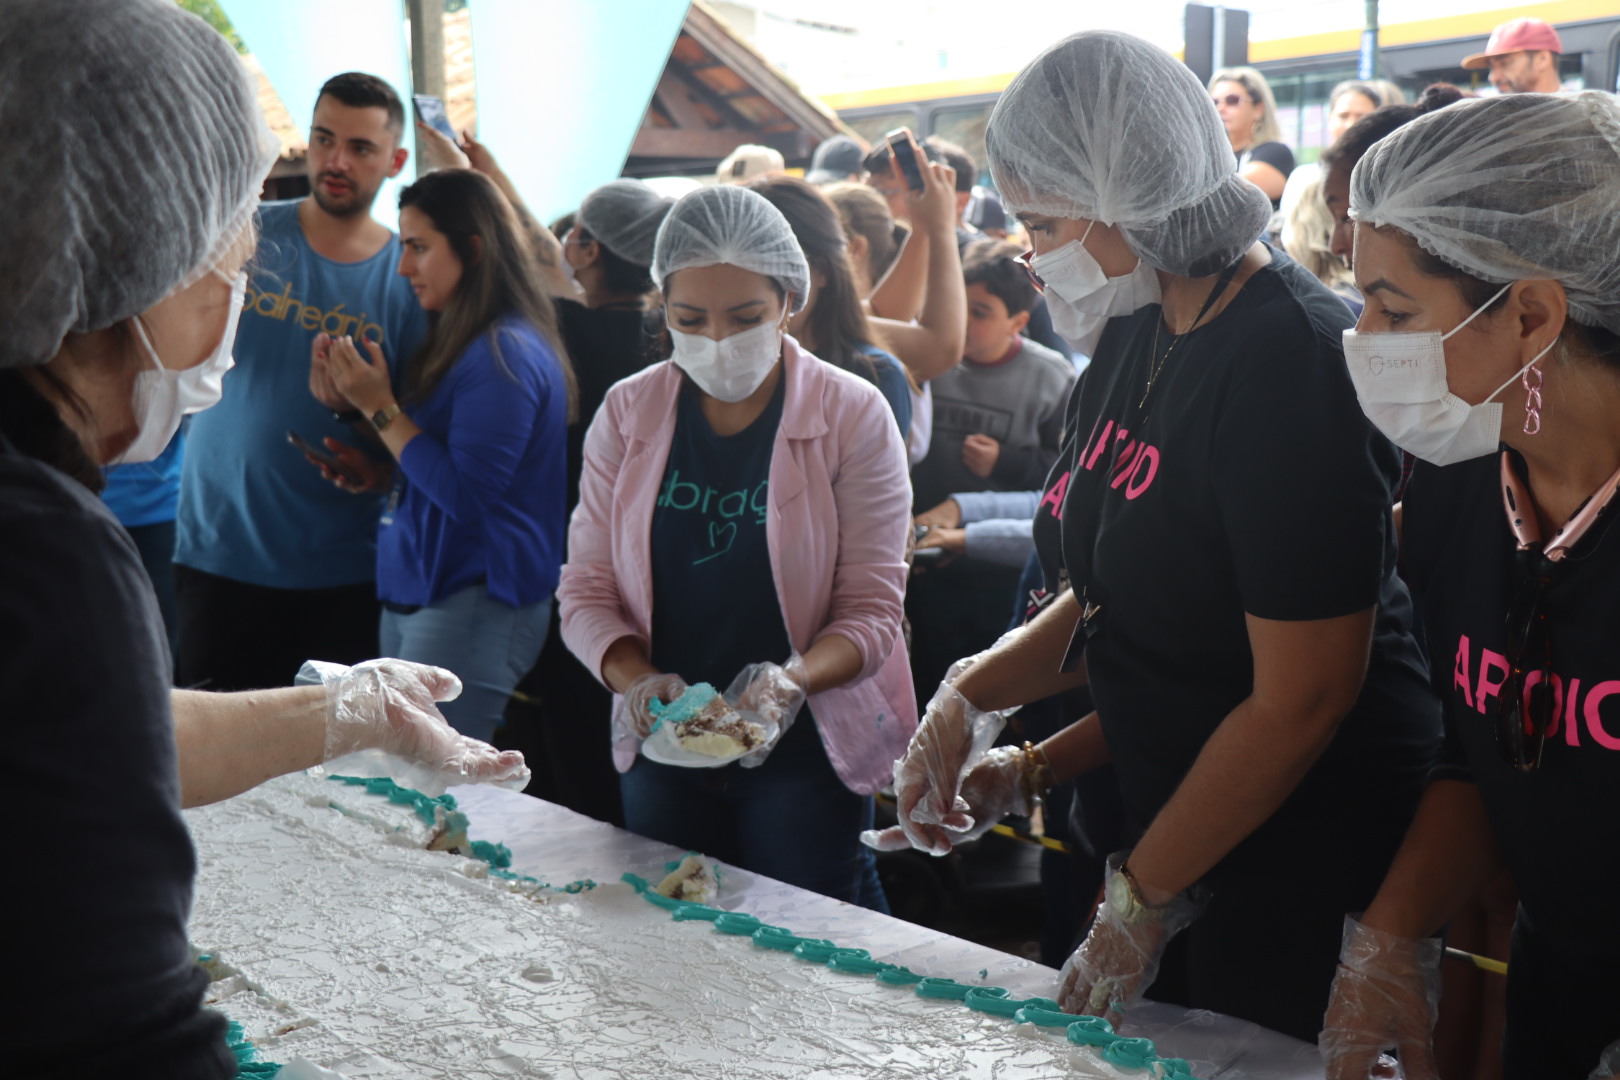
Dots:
pixel 1518 35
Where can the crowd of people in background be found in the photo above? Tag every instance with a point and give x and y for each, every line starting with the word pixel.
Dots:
pixel 1156 484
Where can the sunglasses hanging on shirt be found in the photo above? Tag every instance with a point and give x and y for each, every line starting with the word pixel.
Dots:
pixel 1526 710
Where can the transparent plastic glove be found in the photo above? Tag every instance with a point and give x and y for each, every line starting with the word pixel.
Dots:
pixel 632 720
pixel 1386 994
pixel 381 720
pixel 1608 1066
pixel 1118 960
pixel 771 693
pixel 952 739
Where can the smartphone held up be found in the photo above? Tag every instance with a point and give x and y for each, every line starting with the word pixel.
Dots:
pixel 903 152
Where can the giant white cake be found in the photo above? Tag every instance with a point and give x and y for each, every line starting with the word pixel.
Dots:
pixel 333 935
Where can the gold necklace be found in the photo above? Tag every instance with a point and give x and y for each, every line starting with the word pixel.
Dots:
pixel 1158 367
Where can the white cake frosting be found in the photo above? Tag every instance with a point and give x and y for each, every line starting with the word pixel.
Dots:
pixel 377 959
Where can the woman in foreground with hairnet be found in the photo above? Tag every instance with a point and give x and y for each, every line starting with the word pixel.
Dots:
pixel 742 522
pixel 119 293
pixel 1218 537
pixel 1485 242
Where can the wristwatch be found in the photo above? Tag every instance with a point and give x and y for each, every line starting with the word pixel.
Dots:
pixel 1124 897
pixel 384 416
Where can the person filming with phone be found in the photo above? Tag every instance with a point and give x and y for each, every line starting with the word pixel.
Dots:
pixel 471 539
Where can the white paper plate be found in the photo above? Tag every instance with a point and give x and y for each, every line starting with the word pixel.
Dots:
pixel 663 747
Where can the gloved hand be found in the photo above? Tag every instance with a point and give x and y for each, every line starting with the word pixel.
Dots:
pixel 993 789
pixel 632 720
pixel 952 739
pixel 1118 960
pixel 385 708
pixel 773 694
pixel 1608 1066
pixel 1386 995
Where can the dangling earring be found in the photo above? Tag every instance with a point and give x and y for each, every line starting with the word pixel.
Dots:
pixel 1532 400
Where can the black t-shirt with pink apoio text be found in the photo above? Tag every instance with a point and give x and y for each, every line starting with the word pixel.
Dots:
pixel 1557 826
pixel 1249 483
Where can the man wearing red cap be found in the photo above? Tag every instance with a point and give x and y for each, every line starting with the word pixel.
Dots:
pixel 1523 57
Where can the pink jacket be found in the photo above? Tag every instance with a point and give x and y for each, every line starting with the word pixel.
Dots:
pixel 840 505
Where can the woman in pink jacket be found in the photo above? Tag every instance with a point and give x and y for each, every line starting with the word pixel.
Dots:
pixel 742 522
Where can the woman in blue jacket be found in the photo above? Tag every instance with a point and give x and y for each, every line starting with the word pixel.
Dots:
pixel 470 545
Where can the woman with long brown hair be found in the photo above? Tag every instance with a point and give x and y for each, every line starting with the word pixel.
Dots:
pixel 833 325
pixel 471 543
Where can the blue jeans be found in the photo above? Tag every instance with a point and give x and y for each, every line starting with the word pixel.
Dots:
pixel 791 819
pixel 488 644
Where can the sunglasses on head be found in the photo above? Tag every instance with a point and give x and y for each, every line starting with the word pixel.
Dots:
pixel 1232 101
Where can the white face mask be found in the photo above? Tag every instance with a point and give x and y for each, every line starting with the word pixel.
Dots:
pixel 163 396
pixel 732 368
pixel 1080 295
pixel 1400 379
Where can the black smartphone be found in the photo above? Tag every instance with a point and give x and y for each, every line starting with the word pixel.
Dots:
pixel 902 148
pixel 324 457
pixel 430 110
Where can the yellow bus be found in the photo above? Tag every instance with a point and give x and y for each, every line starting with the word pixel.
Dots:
pixel 1302 71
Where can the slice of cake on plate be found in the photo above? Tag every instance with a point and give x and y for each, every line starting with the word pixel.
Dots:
pixel 702 722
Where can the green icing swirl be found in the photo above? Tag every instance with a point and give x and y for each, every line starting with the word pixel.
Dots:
pixel 427 807
pixel 993 1000
pixel 997 1002
pixel 246 1054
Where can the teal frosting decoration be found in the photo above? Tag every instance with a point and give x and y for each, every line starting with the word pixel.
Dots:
pixel 1130 1053
pixel 1091 1031
pixel 735 922
pixel 987 999
pixel 689 912
pixel 693 701
pixel 427 807
pixel 895 975
pixel 856 962
pixel 993 1000
pixel 815 950
pixel 248 1065
pixel 944 989
pixel 774 937
pixel 1047 1015
pixel 497 855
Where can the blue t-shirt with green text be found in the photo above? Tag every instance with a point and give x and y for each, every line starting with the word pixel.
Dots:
pixel 252 507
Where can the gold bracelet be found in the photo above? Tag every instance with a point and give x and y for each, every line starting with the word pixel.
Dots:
pixel 1035 780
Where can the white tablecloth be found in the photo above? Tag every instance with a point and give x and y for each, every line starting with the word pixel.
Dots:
pixel 559 846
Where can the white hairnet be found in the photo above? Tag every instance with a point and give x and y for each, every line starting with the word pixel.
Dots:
pixel 135 150
pixel 1107 127
pixel 735 226
pixel 624 216
pixel 1507 188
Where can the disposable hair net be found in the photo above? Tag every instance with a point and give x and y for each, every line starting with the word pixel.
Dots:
pixel 1508 188
pixel 735 226
pixel 135 151
pixel 624 215
pixel 1107 127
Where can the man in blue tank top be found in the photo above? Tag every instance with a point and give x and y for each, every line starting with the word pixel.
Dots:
pixel 275 565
